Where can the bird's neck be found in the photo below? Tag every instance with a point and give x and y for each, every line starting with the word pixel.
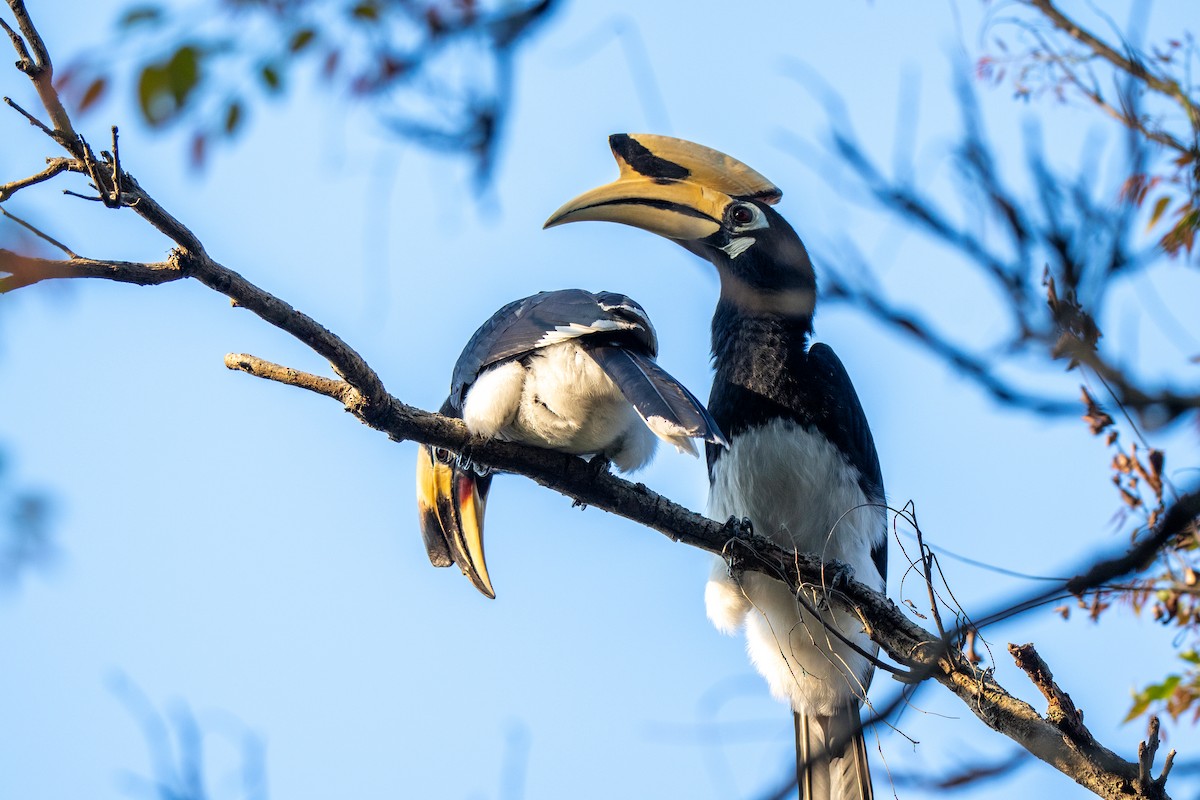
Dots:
pixel 763 354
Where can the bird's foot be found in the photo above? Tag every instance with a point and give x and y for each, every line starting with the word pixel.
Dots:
pixel 739 527
pixel 466 462
pixel 599 465
pixel 740 531
pixel 836 575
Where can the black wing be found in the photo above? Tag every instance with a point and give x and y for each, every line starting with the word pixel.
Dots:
pixel 655 393
pixel 845 424
pixel 544 319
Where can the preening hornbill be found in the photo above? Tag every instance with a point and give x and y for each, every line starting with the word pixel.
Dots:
pixel 801 464
pixel 570 371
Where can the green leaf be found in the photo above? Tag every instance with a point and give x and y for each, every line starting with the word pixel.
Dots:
pixel 1190 656
pixel 233 117
pixel 1165 689
pixel 183 73
pixel 1152 693
pixel 1160 206
pixel 270 77
pixel 164 89
pixel 140 14
pixel 302 39
pixel 154 95
pixel 366 10
pixel 1140 704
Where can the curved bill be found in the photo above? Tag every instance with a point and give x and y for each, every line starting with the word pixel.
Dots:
pixel 450 506
pixel 672 187
pixel 675 209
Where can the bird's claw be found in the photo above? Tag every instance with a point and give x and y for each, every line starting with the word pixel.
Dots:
pixel 740 532
pixel 466 462
pixel 836 575
pixel 739 527
pixel 599 465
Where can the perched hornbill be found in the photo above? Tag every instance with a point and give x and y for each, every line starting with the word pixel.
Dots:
pixel 570 371
pixel 801 464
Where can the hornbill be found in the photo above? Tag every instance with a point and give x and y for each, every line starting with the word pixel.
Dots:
pixel 801 464
pixel 570 371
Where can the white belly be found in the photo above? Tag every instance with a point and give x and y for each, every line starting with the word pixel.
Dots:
pixel 561 400
pixel 800 492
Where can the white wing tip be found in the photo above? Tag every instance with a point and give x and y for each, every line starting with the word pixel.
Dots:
pixel 673 434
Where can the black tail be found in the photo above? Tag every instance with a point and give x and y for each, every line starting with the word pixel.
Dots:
pixel 657 396
pixel 831 757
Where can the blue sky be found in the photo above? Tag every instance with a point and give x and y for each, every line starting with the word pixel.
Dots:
pixel 248 550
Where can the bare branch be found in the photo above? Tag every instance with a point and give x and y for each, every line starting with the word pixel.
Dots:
pixel 41 71
pixel 1164 86
pixel 55 166
pixel 1060 709
pixel 1124 116
pixel 27 270
pixel 30 118
pixel 38 233
pixel 244 362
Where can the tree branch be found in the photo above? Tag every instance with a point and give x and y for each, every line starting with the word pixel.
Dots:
pixel 26 270
pixel 261 368
pixel 54 167
pixel 1164 86
pixel 38 67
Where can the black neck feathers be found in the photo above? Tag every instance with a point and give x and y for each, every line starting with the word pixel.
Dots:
pixel 766 371
pixel 760 362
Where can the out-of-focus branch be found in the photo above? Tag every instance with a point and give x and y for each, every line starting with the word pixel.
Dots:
pixel 1076 241
pixel 964 778
pixel 1125 116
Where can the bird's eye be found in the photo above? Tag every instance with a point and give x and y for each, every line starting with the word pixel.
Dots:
pixel 442 455
pixel 745 215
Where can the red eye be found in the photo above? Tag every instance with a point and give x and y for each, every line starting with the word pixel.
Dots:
pixel 742 214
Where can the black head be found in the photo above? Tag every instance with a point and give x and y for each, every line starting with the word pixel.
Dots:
pixel 716 207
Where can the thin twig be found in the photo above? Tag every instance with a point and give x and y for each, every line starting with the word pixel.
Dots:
pixel 39 233
pixel 55 166
pixel 41 71
pixel 34 121
pixel 1164 86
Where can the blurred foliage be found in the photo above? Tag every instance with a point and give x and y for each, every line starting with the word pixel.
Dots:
pixel 1148 89
pixel 185 752
pixel 25 538
pixel 1057 256
pixel 1175 694
pixel 434 72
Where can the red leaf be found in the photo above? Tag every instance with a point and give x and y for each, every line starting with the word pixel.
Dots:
pixel 199 150
pixel 94 92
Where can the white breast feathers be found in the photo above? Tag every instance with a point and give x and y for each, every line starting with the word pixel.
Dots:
pixel 799 491
pixel 562 400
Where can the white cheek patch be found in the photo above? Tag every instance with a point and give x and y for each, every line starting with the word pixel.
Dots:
pixel 738 246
